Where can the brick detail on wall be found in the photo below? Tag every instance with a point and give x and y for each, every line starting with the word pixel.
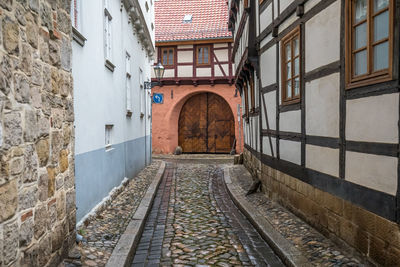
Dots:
pixel 37 214
pixel 372 235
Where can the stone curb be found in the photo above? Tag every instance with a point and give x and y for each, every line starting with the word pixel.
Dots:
pixel 282 247
pixel 126 246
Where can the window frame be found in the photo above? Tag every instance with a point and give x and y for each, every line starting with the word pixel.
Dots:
pixel 173 56
pixel 197 55
pixel 371 77
pixel 109 136
pixel 289 38
pixel 108 36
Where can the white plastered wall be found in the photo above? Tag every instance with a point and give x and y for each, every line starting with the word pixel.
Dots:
pixel 322 35
pixel 185 71
pixel 270 106
pixel 373 119
pixel 266 17
pixel 221 55
pixel 268 67
pixel 373 171
pixel 323 159
pixel 218 72
pixel 168 73
pixel 221 45
pixel 185 56
pixel 322 106
pixel 290 151
pixel 284 4
pixel 290 121
pixel 267 146
pixel 203 72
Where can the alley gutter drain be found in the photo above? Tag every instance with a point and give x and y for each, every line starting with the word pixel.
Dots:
pixel 282 247
pixel 123 252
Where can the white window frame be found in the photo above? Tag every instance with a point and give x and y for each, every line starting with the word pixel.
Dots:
pixel 128 84
pixel 108 36
pixel 142 93
pixel 108 136
pixel 128 64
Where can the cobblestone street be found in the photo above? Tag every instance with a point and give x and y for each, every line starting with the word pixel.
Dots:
pixel 194 222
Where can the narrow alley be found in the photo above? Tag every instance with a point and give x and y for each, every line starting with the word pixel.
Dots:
pixel 194 221
pixel 196 133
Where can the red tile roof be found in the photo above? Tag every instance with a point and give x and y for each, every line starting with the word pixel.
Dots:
pixel 209 20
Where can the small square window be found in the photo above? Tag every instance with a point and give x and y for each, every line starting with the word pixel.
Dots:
pixel 187 18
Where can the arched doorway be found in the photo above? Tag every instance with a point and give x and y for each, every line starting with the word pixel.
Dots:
pixel 206 125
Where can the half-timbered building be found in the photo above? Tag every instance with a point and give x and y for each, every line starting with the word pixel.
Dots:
pixel 319 81
pixel 196 106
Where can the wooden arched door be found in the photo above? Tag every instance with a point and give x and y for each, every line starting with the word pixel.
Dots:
pixel 206 125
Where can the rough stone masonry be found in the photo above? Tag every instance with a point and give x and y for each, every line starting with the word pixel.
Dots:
pixel 37 194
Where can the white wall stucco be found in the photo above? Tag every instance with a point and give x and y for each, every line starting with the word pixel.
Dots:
pixel 373 119
pixel 323 159
pixel 322 35
pixel 322 106
pixel 373 171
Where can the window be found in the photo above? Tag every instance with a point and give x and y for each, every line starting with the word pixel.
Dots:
pixel 369 41
pixel 142 93
pixel 107 32
pixel 203 55
pixel 167 56
pixel 108 136
pixel 187 18
pixel 75 14
pixel 290 66
pixel 128 85
pixel 128 64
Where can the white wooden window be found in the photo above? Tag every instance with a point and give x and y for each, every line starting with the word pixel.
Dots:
pixel 142 93
pixel 128 84
pixel 128 64
pixel 107 31
pixel 108 135
pixel 148 100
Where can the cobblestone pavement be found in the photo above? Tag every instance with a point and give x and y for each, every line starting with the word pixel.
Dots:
pixel 318 249
pixel 193 222
pixel 103 232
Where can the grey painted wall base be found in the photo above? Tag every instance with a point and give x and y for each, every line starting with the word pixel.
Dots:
pixel 97 172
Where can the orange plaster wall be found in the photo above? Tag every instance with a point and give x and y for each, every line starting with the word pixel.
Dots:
pixel 166 116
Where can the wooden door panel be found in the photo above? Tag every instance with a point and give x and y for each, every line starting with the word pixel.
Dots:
pixel 220 119
pixel 206 125
pixel 193 125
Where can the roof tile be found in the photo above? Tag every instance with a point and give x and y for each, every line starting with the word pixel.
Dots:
pixel 209 20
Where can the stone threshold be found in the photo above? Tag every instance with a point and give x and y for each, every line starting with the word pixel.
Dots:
pixel 124 250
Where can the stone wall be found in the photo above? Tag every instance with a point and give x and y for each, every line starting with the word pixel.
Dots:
pixel 345 223
pixel 37 194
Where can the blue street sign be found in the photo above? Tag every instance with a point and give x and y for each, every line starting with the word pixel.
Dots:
pixel 158 98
